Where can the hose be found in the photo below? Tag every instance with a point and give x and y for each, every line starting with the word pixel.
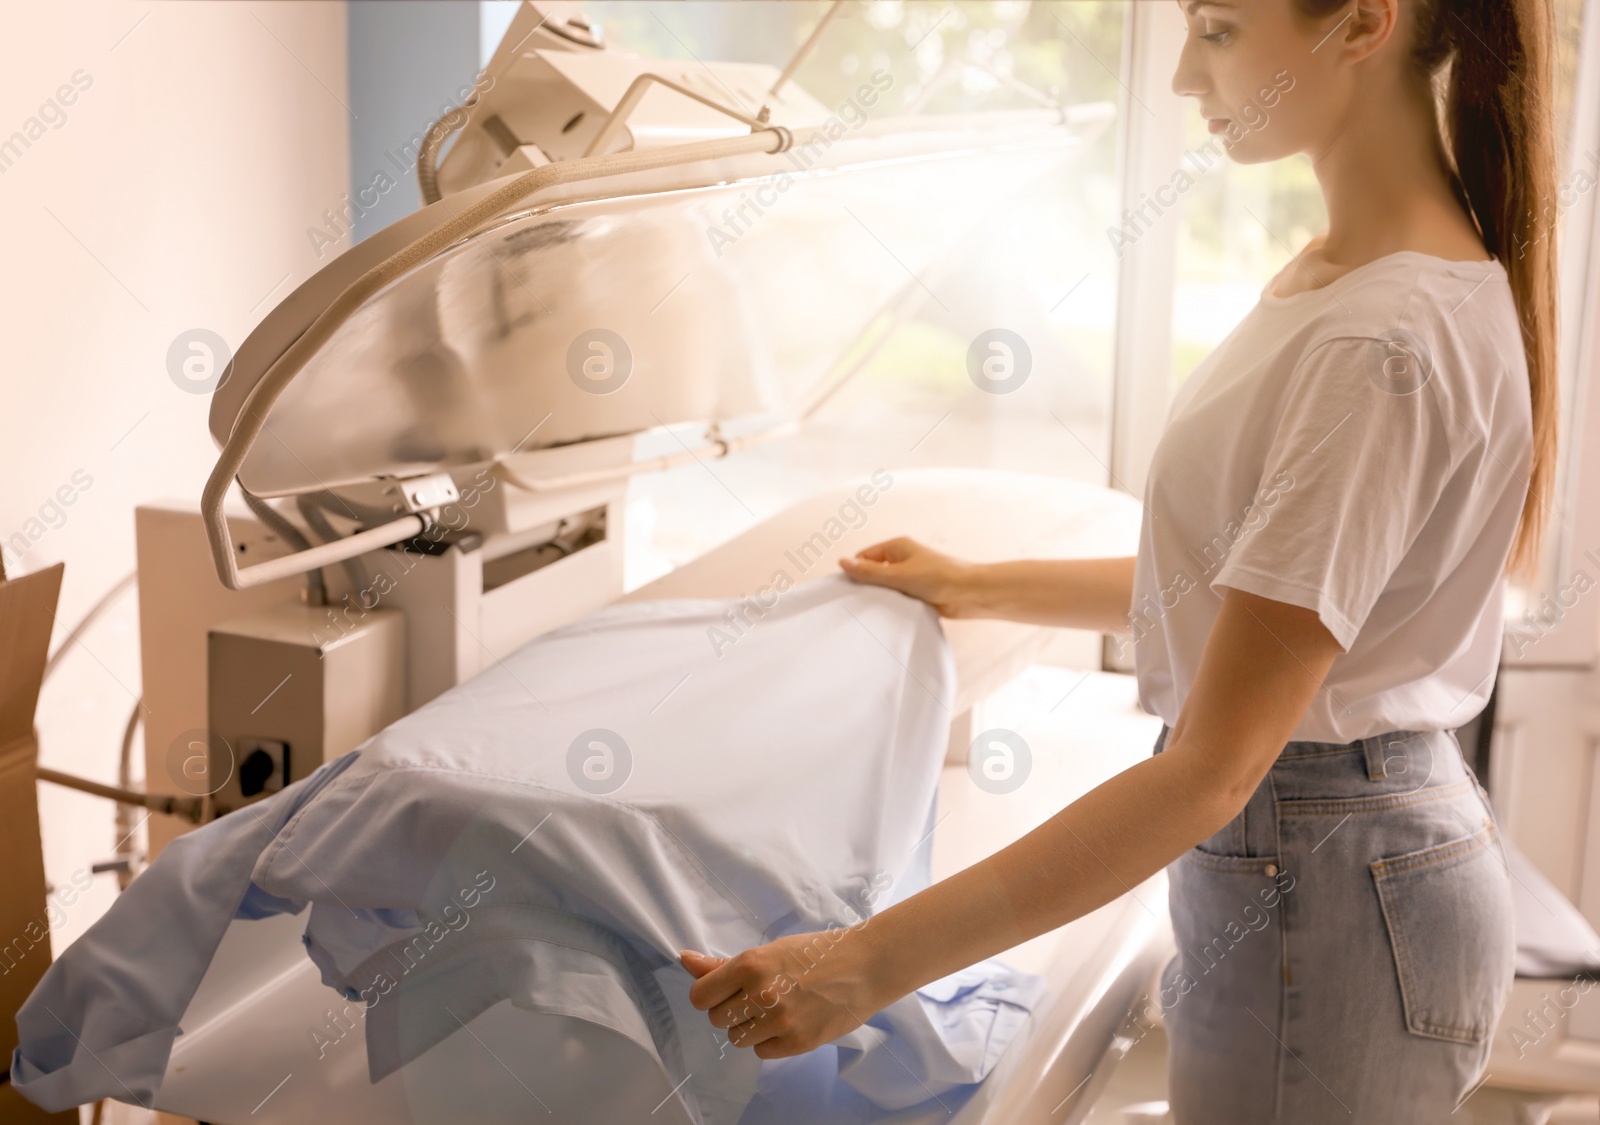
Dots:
pixel 433 140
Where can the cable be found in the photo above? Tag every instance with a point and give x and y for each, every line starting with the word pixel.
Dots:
pixel 124 816
pixel 316 586
pixel 367 515
pixel 95 613
pixel 172 804
pixel 311 512
pixel 124 827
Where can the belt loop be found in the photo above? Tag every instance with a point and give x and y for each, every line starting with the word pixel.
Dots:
pixel 1375 759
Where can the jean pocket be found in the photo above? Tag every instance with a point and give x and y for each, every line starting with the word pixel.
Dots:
pixel 1227 924
pixel 1227 842
pixel 1448 912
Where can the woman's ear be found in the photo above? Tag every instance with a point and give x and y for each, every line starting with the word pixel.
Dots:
pixel 1366 28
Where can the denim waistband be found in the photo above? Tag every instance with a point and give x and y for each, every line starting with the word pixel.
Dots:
pixel 1382 754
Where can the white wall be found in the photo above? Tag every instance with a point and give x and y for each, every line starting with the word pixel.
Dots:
pixel 173 194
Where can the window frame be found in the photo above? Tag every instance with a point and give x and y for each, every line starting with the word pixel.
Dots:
pixel 1573 640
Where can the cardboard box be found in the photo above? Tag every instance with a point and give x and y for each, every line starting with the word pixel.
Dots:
pixel 27 615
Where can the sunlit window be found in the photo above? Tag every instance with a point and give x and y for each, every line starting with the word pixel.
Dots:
pixel 1242 223
pixel 1038 264
pixel 1569 33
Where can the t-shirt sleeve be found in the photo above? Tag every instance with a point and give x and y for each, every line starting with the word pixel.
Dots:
pixel 1355 469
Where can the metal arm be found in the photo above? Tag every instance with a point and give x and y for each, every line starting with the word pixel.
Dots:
pixel 805 48
pixel 635 94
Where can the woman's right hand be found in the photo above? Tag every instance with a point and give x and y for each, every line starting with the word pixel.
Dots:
pixel 903 564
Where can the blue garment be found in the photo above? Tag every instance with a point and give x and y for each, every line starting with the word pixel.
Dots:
pixel 554 830
pixel 101 1022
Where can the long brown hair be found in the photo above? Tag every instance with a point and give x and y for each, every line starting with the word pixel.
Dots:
pixel 1494 58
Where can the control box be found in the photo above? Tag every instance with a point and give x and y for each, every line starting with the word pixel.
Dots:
pixel 289 688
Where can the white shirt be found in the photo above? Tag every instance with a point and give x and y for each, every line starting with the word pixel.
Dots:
pixel 1361 450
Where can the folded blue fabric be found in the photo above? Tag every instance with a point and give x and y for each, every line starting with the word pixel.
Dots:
pixel 552 831
pixel 101 1022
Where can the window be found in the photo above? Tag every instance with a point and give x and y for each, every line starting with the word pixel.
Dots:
pixel 1040 266
pixel 1242 223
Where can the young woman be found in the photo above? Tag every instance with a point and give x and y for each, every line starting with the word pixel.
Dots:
pixel 1316 603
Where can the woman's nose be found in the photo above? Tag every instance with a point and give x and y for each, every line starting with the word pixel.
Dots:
pixel 1188 78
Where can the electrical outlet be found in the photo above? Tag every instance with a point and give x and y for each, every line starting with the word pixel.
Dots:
pixel 263 766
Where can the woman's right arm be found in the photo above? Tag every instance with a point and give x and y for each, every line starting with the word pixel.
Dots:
pixel 1094 594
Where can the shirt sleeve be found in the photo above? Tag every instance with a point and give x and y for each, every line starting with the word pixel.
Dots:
pixel 1355 469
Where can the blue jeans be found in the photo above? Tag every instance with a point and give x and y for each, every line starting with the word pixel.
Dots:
pixel 1345 943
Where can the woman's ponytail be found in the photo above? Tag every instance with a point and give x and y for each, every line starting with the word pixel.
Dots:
pixel 1490 62
pixel 1500 128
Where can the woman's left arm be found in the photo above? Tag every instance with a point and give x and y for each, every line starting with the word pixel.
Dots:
pixel 1263 663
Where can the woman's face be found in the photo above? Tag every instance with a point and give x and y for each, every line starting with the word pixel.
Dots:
pixel 1269 81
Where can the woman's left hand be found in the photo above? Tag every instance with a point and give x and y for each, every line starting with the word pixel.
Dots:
pixel 791 995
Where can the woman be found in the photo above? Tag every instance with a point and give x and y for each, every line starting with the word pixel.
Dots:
pixel 1316 603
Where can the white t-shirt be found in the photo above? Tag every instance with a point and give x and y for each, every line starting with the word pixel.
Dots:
pixel 1361 450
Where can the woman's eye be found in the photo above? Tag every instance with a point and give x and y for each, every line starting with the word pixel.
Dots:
pixel 1215 37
